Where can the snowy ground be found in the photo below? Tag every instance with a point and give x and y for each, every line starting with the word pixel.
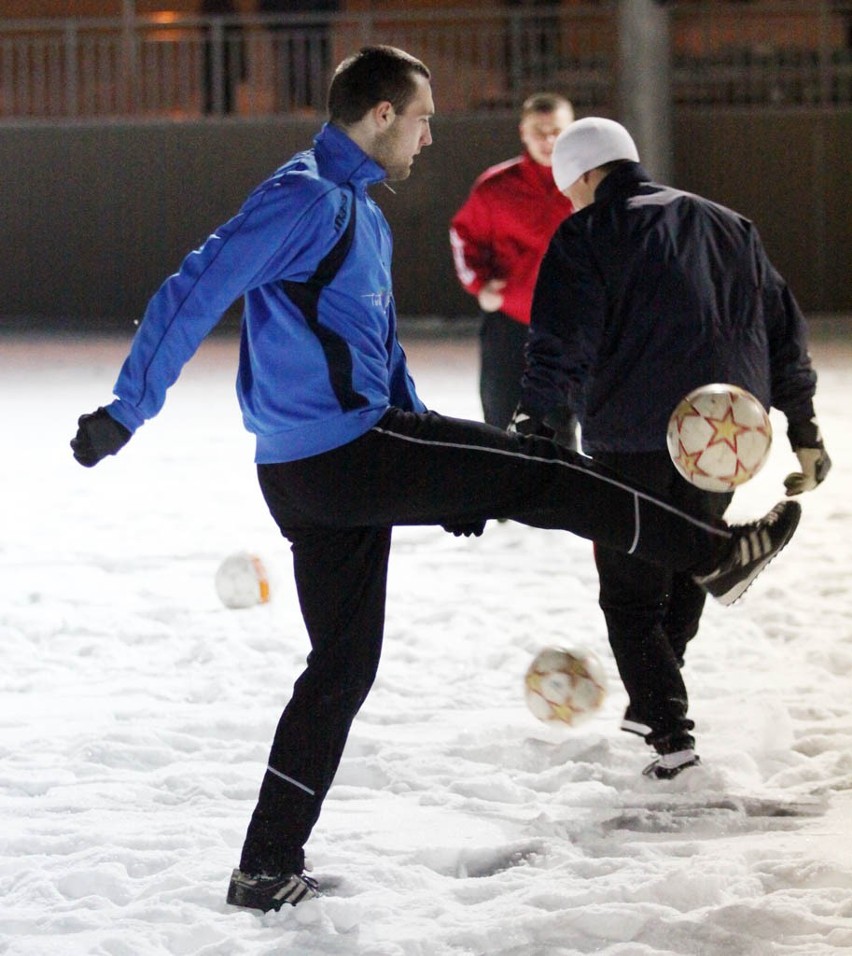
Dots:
pixel 136 713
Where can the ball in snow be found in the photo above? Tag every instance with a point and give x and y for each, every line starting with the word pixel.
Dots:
pixel 242 581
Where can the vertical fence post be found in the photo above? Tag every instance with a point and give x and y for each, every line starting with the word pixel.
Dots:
pixel 126 94
pixel 644 82
pixel 514 52
pixel 366 25
pixel 824 54
pixel 214 67
pixel 71 68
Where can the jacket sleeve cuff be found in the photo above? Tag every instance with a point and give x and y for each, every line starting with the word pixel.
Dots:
pixel 804 433
pixel 125 414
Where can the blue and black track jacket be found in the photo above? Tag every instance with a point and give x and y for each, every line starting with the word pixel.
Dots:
pixel 310 252
pixel 648 293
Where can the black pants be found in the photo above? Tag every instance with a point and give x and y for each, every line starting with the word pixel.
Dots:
pixel 501 355
pixel 337 510
pixel 502 360
pixel 653 612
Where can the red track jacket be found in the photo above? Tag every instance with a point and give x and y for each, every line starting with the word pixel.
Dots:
pixel 503 229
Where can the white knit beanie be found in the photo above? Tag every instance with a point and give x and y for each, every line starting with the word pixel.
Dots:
pixel 586 144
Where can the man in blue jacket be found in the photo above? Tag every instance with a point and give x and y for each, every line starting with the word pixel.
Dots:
pixel 345 447
pixel 647 293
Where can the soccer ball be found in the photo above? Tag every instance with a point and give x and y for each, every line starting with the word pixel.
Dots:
pixel 719 437
pixel 241 581
pixel 564 686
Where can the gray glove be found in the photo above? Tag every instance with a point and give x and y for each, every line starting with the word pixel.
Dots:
pixel 806 441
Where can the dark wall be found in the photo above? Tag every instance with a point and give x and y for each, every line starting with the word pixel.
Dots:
pixel 790 174
pixel 95 217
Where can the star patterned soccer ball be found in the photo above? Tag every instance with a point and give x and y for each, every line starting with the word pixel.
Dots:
pixel 719 437
pixel 241 581
pixel 564 686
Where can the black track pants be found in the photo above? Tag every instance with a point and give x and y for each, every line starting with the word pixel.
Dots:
pixel 501 358
pixel 337 510
pixel 502 362
pixel 653 612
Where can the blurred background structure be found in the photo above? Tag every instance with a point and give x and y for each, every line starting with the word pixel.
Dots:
pixel 129 129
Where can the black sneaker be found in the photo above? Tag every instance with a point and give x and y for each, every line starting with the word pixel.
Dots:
pixel 667 766
pixel 752 547
pixel 270 892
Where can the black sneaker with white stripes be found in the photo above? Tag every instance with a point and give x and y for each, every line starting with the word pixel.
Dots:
pixel 270 892
pixel 751 548
pixel 667 766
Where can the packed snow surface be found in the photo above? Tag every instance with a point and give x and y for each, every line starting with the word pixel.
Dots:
pixel 137 711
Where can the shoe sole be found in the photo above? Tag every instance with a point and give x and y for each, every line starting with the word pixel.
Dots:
pixel 669 773
pixel 731 596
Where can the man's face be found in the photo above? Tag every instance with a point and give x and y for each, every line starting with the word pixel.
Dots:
pixel 408 133
pixel 539 131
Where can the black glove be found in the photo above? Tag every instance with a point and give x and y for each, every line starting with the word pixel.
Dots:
pixel 98 435
pixel 558 425
pixel 806 441
pixel 465 529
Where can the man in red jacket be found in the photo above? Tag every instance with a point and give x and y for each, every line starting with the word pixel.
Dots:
pixel 499 237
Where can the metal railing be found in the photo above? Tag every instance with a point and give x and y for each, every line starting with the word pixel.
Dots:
pixel 768 54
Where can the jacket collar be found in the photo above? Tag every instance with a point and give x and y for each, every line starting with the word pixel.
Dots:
pixel 542 175
pixel 341 160
pixel 622 179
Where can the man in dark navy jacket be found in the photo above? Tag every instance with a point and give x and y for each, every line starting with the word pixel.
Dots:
pixel 646 293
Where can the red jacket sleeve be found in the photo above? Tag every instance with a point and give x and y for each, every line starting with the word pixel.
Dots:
pixel 471 241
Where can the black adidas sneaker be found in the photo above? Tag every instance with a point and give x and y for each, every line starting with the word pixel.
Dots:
pixel 667 766
pixel 752 547
pixel 270 892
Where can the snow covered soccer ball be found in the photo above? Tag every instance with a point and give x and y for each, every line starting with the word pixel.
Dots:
pixel 564 686
pixel 719 437
pixel 241 581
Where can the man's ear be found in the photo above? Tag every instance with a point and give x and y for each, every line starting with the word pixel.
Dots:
pixel 383 115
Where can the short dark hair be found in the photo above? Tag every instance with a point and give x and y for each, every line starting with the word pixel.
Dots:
pixel 545 103
pixel 370 76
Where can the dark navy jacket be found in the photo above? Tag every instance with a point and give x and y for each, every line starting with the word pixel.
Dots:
pixel 648 293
